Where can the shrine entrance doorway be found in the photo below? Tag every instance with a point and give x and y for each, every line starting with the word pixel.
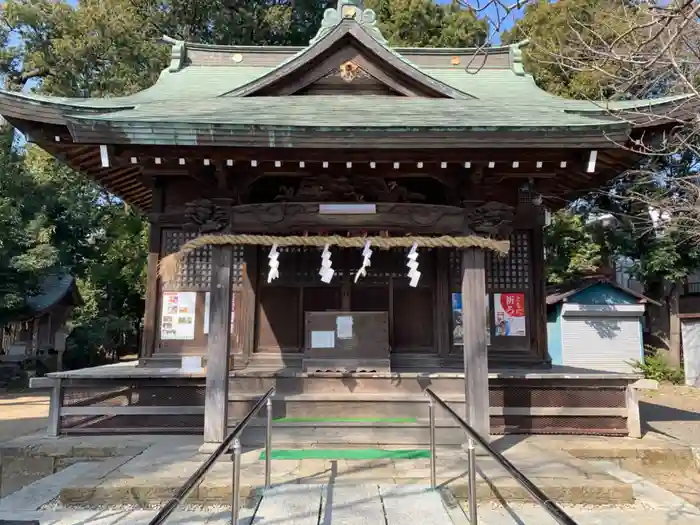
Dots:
pixel 285 302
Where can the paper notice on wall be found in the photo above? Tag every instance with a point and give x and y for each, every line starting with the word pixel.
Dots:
pixel 323 339
pixel 458 323
pixel 177 320
pixel 207 310
pixel 509 314
pixel 343 326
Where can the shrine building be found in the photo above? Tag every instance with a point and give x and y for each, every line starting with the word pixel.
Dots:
pixel 351 223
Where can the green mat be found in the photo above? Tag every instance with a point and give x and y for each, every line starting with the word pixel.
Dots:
pixel 345 420
pixel 348 453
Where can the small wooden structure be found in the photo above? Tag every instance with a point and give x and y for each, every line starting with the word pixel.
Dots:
pixel 42 327
pixel 596 324
pixel 354 138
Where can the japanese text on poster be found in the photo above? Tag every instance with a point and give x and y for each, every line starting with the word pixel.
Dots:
pixel 509 314
pixel 177 320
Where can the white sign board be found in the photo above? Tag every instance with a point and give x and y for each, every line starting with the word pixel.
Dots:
pixel 343 326
pixel 178 315
pixel 323 339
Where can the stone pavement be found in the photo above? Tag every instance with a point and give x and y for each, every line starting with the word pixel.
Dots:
pixel 653 506
pixel 119 474
pixel 153 475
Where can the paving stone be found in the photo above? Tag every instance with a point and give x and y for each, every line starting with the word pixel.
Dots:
pixel 535 515
pixel 44 490
pixel 291 505
pixel 351 505
pixel 650 494
pixel 19 471
pixel 403 504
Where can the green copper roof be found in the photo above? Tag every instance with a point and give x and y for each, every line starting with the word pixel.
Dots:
pixel 330 111
pixel 193 94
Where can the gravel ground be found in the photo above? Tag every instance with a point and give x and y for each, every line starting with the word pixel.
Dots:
pixel 672 412
pixel 22 413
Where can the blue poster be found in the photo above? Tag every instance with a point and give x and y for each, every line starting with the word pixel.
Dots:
pixel 457 326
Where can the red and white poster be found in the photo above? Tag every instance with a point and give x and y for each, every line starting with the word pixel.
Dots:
pixel 509 314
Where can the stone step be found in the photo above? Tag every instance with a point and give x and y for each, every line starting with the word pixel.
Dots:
pixel 299 434
pixel 355 405
pixel 151 479
pixel 342 384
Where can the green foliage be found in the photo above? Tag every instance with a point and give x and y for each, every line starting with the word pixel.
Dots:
pixel 424 23
pixel 27 251
pixel 656 367
pixel 571 251
pixel 564 35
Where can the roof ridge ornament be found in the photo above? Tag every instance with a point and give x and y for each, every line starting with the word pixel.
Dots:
pixel 349 10
pixel 178 53
pixel 516 57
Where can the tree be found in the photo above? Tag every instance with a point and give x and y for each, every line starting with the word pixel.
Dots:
pixel 606 49
pixel 423 23
pixel 572 252
pixel 26 250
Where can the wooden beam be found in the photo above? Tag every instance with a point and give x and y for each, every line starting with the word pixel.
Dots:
pixel 171 154
pixel 219 345
pixel 476 372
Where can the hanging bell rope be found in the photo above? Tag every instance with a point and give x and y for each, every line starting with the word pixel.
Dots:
pixel 169 266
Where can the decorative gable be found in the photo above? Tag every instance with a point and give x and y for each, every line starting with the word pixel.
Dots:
pixel 348 46
pixel 349 78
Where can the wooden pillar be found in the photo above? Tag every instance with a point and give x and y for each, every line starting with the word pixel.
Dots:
pixel 219 344
pixel 150 314
pixel 249 300
pixel 54 429
pixel 443 307
pixel 476 371
pixel 539 293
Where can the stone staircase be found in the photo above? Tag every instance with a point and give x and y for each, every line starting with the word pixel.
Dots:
pixel 317 411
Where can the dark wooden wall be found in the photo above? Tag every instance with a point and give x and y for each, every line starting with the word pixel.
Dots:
pixel 268 318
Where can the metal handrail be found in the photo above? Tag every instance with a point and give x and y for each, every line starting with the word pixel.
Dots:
pixel 554 510
pixel 233 437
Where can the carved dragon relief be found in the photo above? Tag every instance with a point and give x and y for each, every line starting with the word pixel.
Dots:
pixel 208 215
pixel 491 219
pixel 344 189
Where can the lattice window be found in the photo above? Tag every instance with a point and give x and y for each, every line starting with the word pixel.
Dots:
pixel 513 270
pixel 195 272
